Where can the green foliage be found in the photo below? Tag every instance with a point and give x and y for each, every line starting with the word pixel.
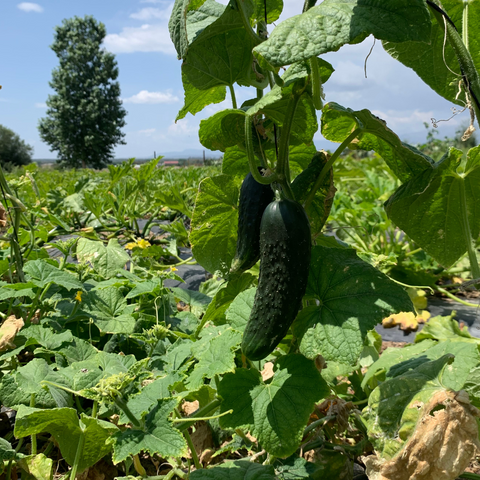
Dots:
pixel 85 115
pixel 13 150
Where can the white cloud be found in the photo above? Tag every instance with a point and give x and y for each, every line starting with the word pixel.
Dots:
pixel 147 132
pixel 151 97
pixel 40 105
pixel 152 13
pixel 147 38
pixel 182 128
pixel 30 7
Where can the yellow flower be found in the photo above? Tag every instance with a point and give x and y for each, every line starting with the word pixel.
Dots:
pixel 78 296
pixel 143 243
pixel 173 269
pixel 130 246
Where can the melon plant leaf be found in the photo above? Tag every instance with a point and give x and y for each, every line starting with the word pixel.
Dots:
pixel 224 297
pixel 435 61
pixel 393 407
pixel 444 329
pixel 274 9
pixel 440 209
pixel 236 470
pixel 191 297
pixel 152 287
pixel 37 467
pixel 395 361
pixel 16 290
pixel 239 311
pixel 338 22
pixel 7 452
pixel 353 297
pixel 214 223
pixel 41 273
pixel 157 436
pixel 405 161
pixel 46 337
pixel 186 22
pixel 275 411
pixel 223 129
pixel 196 100
pixel 216 357
pixel 67 428
pixel 221 54
pixel 105 260
pixel 109 310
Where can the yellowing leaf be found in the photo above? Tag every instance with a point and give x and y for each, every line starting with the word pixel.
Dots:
pixel 8 331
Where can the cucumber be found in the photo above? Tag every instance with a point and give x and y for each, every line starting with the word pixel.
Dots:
pixel 254 198
pixel 285 250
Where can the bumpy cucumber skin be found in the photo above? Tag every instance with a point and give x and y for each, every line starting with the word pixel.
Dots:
pixel 254 198
pixel 285 251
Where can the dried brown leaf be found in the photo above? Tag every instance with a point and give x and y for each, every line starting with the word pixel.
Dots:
pixel 441 447
pixel 8 332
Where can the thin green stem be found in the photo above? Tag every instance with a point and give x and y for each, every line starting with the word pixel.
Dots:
pixel 78 455
pixel 453 297
pixel 95 409
pixel 465 25
pixel 33 437
pixel 196 461
pixel 329 164
pixel 283 169
pixel 234 98
pixel 200 413
pixel 469 476
pixel 137 465
pixel 182 419
pixel 308 4
pixel 317 88
pixel 318 423
pixel 251 155
pixel 123 406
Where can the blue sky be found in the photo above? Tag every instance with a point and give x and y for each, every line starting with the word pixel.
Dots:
pixel 150 77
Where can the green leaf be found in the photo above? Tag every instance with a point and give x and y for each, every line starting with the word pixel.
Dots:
pixel 276 412
pixel 172 198
pixel 7 452
pixel 67 428
pixel 405 161
pixel 393 407
pixel 152 287
pixel 445 328
pixel 216 357
pixel 37 467
pixel 157 436
pixel 273 7
pixel 223 129
pixel 46 337
pixel 109 310
pixel 236 470
pixel 216 311
pixel 16 290
pixel 214 223
pixel 435 62
pixel 397 361
pixel 353 298
pixel 191 297
pixel 221 54
pixel 337 22
pixel 105 260
pixel 239 311
pixel 196 100
pixel 42 273
pixel 440 208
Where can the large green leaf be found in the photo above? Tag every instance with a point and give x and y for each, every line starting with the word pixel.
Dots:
pixel 216 357
pixel 440 209
pixel 214 223
pixel 236 470
pixel 109 310
pixel 222 130
pixel 105 260
pixel 333 23
pixel 196 100
pixel 221 54
pixel 67 428
pixel 393 407
pixel 405 161
pixel 41 273
pixel 435 61
pixel 353 297
pixel 157 435
pixel 397 361
pixel 445 329
pixel 276 412
pixel 239 311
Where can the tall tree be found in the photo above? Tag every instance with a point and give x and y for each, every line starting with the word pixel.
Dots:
pixel 85 115
pixel 13 150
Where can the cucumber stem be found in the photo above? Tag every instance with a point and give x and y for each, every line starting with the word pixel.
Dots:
pixel 317 90
pixel 329 164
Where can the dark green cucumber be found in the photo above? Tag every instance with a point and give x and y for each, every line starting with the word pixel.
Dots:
pixel 285 250
pixel 254 198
